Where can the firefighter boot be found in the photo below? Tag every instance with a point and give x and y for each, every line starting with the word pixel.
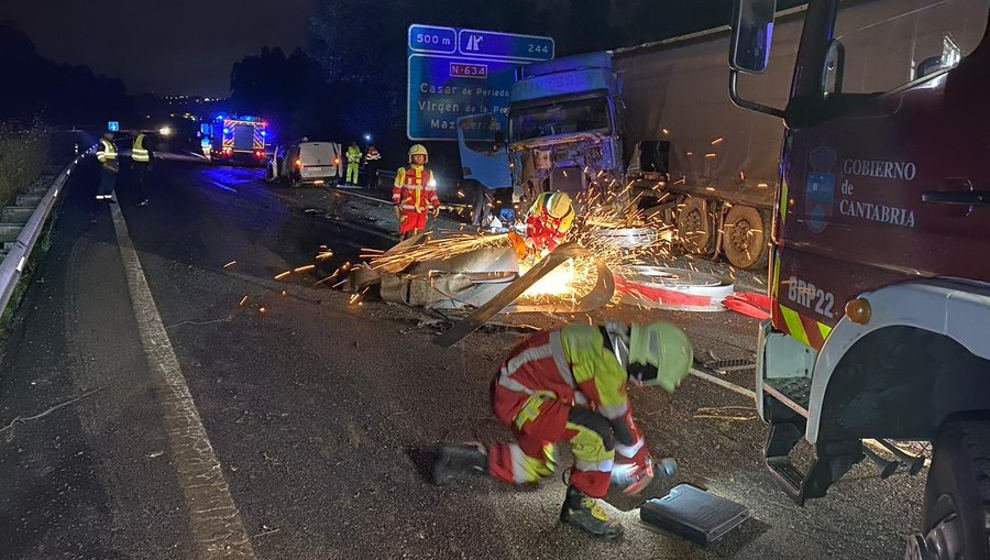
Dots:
pixel 454 460
pixel 583 512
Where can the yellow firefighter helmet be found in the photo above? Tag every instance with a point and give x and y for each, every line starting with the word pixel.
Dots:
pixel 418 149
pixel 558 206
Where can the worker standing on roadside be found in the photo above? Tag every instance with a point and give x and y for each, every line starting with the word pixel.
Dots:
pixel 549 220
pixel 372 159
pixel 141 163
pixel 414 193
pixel 570 385
pixel 106 154
pixel 353 163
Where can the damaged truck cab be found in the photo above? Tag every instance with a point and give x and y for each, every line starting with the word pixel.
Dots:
pixel 880 278
pixel 564 126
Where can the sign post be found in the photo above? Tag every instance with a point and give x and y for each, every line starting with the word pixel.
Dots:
pixel 458 72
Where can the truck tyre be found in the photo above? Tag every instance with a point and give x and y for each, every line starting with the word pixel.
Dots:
pixel 694 226
pixel 745 237
pixel 957 495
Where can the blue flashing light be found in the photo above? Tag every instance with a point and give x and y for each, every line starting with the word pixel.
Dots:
pixel 367 137
pixel 220 117
pixel 247 119
pixel 264 133
pixel 226 131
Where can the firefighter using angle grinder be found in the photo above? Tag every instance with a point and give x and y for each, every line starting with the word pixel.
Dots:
pixel 570 385
pixel 549 220
pixel 414 193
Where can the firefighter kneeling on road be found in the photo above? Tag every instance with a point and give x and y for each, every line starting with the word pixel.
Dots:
pixel 550 218
pixel 570 385
pixel 414 193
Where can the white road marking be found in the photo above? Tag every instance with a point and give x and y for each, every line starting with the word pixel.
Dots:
pixel 213 517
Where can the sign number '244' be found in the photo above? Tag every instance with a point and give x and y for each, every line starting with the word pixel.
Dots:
pixel 475 43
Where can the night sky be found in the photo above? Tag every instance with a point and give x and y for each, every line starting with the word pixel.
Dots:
pixel 189 46
pixel 160 46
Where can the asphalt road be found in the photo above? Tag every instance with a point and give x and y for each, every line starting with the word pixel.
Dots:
pixel 323 414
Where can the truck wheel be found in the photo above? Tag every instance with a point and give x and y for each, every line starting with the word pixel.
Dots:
pixel 745 237
pixel 694 226
pixel 957 495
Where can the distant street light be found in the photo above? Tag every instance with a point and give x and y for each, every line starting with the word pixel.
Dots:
pixel 165 131
pixel 367 137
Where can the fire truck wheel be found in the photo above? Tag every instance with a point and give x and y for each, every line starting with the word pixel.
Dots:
pixel 694 226
pixel 745 237
pixel 957 495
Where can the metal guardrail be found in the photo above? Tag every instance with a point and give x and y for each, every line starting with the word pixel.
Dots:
pixel 13 264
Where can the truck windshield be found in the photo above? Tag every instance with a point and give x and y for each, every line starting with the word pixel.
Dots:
pixel 585 115
pixel 881 45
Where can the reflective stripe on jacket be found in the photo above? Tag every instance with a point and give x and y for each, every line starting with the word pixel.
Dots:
pixel 353 154
pixel 138 152
pixel 373 155
pixel 106 152
pixel 414 189
pixel 575 366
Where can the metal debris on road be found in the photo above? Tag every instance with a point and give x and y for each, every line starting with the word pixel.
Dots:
pixel 677 289
pixel 301 269
pixel 230 264
pixel 243 301
pixel 283 275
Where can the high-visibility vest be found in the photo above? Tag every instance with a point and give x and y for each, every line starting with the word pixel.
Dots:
pixel 138 152
pixel 353 154
pixel 373 155
pixel 414 189
pixel 106 152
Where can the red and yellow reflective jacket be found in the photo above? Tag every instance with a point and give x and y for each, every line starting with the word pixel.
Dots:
pixel 576 367
pixel 414 189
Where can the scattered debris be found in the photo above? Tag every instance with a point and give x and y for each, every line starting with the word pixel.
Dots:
pixel 283 275
pixel 727 413
pixel 243 301
pixel 230 264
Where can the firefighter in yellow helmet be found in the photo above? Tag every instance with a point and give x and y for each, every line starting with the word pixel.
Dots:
pixel 569 385
pixel 414 193
pixel 550 218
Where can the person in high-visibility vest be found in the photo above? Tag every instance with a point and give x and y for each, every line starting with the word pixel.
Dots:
pixel 106 154
pixel 141 163
pixel 550 218
pixel 372 159
pixel 353 163
pixel 414 193
pixel 569 385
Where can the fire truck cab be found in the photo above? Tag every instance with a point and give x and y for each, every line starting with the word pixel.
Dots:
pixel 880 267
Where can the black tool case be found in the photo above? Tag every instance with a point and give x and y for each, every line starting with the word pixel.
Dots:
pixel 692 513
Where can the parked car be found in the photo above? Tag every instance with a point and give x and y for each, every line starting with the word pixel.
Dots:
pixel 317 163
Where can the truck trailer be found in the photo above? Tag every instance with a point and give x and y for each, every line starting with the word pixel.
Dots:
pixel 653 123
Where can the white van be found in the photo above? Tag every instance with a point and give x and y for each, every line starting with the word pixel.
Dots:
pixel 316 163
